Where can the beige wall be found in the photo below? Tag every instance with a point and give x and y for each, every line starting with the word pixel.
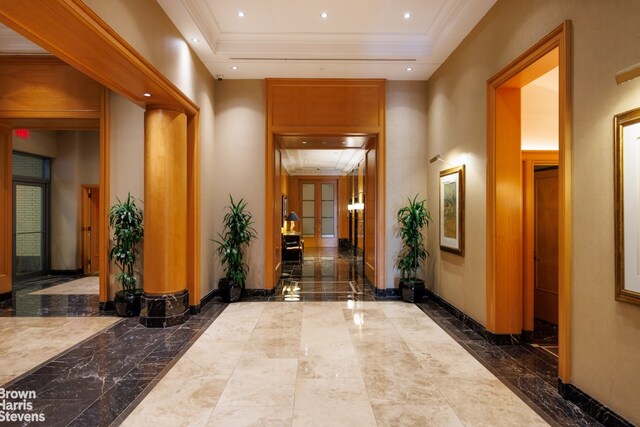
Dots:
pixel 144 25
pixel 605 333
pixel 407 160
pixel 42 143
pixel 239 164
pixel 77 163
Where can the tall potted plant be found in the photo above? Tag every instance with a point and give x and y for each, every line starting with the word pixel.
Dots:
pixel 126 220
pixel 232 242
pixel 412 219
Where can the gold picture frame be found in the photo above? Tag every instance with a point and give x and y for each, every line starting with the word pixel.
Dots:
pixel 451 209
pixel 627 209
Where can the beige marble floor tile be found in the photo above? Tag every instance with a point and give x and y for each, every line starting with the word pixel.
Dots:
pixel 399 309
pixel 442 359
pixel 321 359
pixel 29 342
pixel 432 413
pixel 273 343
pixel 317 330
pixel 486 402
pixel 83 286
pixel 251 417
pixel 5 379
pixel 403 383
pixel 261 382
pixel 366 316
pixel 178 401
pixel 331 402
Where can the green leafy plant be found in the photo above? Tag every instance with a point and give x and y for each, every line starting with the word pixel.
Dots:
pixel 412 219
pixel 126 220
pixel 237 234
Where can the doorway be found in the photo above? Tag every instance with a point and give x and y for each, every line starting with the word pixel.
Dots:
pixel 505 232
pixel 319 203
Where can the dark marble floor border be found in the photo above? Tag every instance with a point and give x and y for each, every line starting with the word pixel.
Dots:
pixel 103 378
pixel 591 406
pixel 497 339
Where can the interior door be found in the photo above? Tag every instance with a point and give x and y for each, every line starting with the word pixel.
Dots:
pixel 319 202
pixel 546 246
pixel 90 229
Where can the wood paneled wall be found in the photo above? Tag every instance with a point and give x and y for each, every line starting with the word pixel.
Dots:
pixel 6 201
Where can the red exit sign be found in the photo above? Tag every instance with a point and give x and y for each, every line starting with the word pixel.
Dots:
pixel 21 133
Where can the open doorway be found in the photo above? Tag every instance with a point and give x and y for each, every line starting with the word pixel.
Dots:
pixel 510 307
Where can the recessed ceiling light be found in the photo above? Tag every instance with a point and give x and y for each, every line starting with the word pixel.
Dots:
pixel 147 95
pixel 344 142
pixel 409 68
pixel 324 142
pixel 304 142
pixel 324 14
pixel 241 14
pixel 195 40
pixel 234 68
pixel 406 15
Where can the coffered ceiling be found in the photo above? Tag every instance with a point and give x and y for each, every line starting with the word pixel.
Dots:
pixel 398 40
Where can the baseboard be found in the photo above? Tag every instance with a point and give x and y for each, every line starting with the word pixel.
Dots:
pixel 591 406
pixel 390 293
pixel 107 306
pixel 6 296
pixel 252 293
pixel 76 272
pixel 495 339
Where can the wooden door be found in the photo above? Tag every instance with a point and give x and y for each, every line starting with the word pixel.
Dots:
pixel 90 229
pixel 546 246
pixel 370 216
pixel 6 209
pixel 319 208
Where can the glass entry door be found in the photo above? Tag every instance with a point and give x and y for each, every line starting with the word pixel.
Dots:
pixel 318 199
pixel 30 230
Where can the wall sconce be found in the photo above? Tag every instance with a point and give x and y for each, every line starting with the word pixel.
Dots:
pixel 438 158
pixel 627 74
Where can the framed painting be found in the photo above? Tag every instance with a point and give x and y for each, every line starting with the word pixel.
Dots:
pixel 452 210
pixel 627 205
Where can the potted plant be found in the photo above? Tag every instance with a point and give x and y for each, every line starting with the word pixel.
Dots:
pixel 237 234
pixel 412 219
pixel 126 220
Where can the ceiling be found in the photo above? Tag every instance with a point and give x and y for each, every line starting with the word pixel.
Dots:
pixel 356 39
pixel 11 43
pixel 321 162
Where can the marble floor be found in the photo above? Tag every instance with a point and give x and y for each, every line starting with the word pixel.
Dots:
pixel 89 285
pixel 357 363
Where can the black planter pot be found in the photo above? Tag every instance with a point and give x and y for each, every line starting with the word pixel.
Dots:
pixel 230 291
pixel 411 290
pixel 128 303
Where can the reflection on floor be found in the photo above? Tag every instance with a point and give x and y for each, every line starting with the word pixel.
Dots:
pixel 37 298
pixel 545 337
pixel 89 285
pixel 329 363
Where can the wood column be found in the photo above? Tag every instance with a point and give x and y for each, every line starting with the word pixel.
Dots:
pixel 165 301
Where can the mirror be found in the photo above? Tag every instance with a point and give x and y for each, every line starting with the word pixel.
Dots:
pixel 627 205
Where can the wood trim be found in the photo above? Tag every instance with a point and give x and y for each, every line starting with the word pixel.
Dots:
pixel 502 318
pixel 84 217
pixel 531 159
pixel 193 209
pixel 105 191
pixel 6 213
pixel 76 34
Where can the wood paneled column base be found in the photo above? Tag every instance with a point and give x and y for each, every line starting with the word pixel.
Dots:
pixel 160 311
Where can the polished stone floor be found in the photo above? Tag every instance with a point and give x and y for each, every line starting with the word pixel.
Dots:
pixel 323 350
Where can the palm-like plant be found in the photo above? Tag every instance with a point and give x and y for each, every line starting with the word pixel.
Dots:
pixel 237 234
pixel 126 220
pixel 411 220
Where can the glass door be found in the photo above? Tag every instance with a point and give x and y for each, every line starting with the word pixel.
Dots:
pixel 30 231
pixel 319 208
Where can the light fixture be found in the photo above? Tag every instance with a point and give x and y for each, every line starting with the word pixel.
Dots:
pixel 406 15
pixel 438 158
pixel 409 69
pixel 292 217
pixel 304 142
pixel 195 40
pixel 147 95
pixel 241 14
pixel 627 74
pixel 234 68
pixel 324 15
pixel 355 206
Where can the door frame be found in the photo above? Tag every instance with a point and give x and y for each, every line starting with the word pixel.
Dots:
pixel 504 211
